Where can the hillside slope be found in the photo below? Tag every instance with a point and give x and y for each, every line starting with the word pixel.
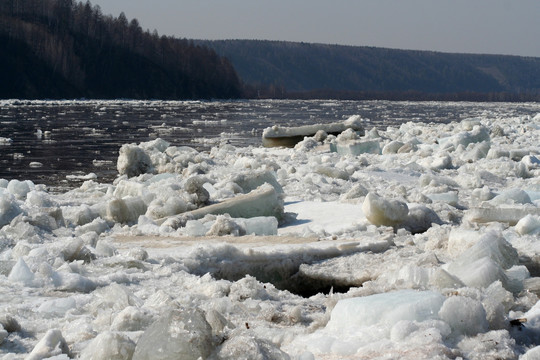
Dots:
pixel 304 67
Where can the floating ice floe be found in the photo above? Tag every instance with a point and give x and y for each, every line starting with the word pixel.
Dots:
pixel 290 136
pixel 5 141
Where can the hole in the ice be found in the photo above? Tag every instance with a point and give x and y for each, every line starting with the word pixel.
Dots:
pixel 283 274
pixel 302 271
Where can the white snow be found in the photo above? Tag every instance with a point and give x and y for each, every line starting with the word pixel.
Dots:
pixel 412 242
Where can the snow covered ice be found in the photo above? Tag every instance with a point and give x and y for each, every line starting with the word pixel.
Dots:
pixel 412 242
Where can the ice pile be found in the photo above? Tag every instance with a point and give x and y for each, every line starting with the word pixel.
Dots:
pixel 412 242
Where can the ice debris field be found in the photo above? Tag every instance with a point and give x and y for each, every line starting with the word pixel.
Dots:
pixel 417 242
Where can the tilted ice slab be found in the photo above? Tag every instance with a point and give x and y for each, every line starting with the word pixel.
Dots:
pixel 263 201
pixel 507 214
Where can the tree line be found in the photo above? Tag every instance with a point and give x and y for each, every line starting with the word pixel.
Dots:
pixel 69 49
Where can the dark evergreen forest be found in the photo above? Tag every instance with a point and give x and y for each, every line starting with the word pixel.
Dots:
pixel 68 49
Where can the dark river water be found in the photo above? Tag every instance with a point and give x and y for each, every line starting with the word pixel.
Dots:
pixel 52 140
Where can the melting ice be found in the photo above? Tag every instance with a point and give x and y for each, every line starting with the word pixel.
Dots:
pixel 418 241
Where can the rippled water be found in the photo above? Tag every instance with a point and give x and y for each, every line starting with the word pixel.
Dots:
pixel 80 137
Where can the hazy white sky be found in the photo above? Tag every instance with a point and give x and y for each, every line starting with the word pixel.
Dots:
pixel 473 26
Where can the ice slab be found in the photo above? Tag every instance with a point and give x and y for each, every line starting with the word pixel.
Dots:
pixel 356 147
pixel 485 262
pixel 263 201
pixel 388 308
pixel 109 345
pixel 508 214
pixel 289 136
pixel 450 197
pixel 179 334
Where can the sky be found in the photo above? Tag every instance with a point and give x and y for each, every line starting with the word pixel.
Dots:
pixel 509 27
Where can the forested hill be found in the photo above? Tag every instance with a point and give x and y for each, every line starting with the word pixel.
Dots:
pixel 331 70
pixel 66 49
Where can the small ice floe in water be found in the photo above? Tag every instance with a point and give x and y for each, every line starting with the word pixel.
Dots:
pixel 5 141
pixel 84 177
pixel 290 136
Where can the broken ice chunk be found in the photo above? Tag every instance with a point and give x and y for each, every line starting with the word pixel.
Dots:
pixel 420 219
pixel 260 225
pixel 380 211
pixel 179 334
pixel 109 345
pixel 52 344
pixel 133 161
pixel 251 180
pixel 387 308
pixel 131 319
pixel 21 273
pixel 392 147
pixel 246 346
pixel 8 208
pixel 530 224
pixel 20 188
pixel 531 161
pixel 477 135
pixel 486 262
pixel 465 316
pixel 356 147
pixel 126 210
pixel 224 225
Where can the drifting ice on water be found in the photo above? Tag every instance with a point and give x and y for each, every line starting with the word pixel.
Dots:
pixel 412 242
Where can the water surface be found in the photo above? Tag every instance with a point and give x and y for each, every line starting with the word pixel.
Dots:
pixel 81 137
